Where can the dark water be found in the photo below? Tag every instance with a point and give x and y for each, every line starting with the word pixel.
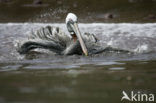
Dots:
pixel 86 84
pixel 44 77
pixel 87 10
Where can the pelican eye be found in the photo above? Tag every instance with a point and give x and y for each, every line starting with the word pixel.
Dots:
pixel 71 21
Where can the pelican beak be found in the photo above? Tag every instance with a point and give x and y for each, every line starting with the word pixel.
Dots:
pixel 79 36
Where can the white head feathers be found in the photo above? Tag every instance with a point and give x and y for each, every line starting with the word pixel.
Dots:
pixel 71 16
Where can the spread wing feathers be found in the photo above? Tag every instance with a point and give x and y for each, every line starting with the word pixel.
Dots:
pixel 51 33
pixel 89 37
pixel 54 39
pixel 55 34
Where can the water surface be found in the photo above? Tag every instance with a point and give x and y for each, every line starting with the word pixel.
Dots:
pixel 45 77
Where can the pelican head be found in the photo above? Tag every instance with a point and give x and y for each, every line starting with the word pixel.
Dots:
pixel 72 26
pixel 70 20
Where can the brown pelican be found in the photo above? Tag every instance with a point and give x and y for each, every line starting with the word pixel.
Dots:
pixel 53 39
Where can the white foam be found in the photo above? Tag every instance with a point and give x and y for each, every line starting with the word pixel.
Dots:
pixel 127 36
pixel 141 48
pixel 109 29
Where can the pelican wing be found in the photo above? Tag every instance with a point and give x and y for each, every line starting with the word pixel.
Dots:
pixel 51 33
pixel 48 37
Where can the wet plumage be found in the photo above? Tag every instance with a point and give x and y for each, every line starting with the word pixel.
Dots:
pixel 55 40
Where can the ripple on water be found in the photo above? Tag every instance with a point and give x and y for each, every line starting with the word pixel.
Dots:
pixel 10 68
pixel 50 66
pixel 117 68
pixel 110 63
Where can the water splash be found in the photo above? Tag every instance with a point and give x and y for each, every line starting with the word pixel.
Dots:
pixel 139 38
